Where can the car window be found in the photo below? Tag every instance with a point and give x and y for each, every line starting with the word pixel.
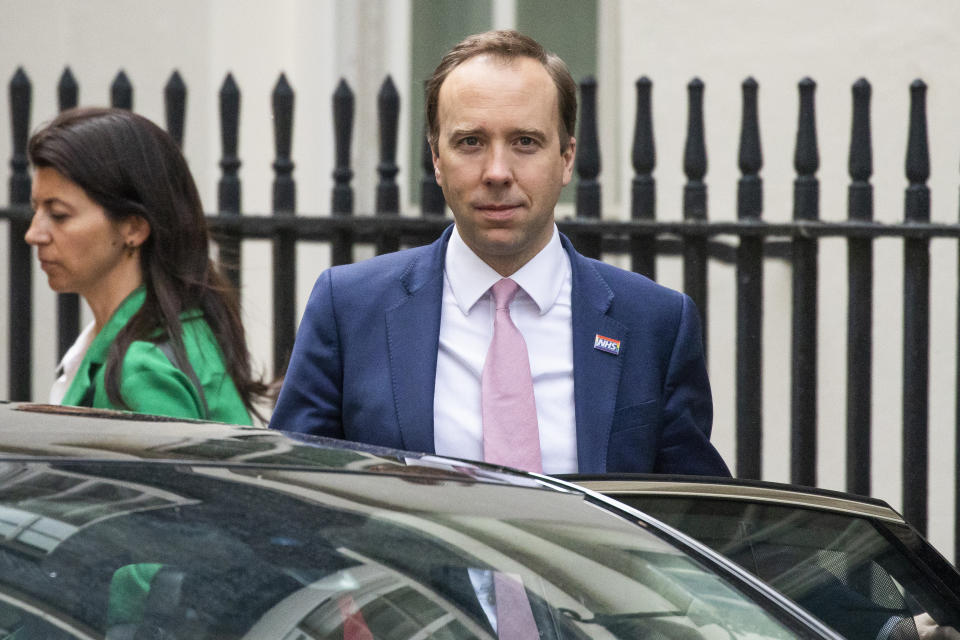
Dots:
pixel 850 572
pixel 124 551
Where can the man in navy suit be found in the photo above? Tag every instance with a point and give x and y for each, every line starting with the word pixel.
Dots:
pixel 390 351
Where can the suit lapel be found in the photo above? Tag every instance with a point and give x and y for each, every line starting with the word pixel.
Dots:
pixel 596 373
pixel 413 337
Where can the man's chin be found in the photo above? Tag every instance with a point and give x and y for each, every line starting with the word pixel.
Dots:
pixel 499 242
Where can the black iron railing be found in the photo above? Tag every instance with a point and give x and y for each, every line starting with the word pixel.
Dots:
pixel 642 237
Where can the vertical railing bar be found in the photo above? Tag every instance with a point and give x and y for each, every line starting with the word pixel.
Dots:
pixel 121 92
pixel 229 187
pixel 643 201
pixel 21 268
pixel 284 245
pixel 175 106
pixel 860 301
pixel 695 204
pixel 388 192
pixel 749 390
pixel 432 202
pixel 916 316
pixel 588 167
pixel 956 467
pixel 342 196
pixel 68 304
pixel 68 92
pixel 806 206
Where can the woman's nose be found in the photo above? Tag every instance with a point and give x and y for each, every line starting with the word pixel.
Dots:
pixel 36 234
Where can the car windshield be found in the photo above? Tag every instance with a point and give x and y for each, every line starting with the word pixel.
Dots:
pixel 122 551
pixel 853 573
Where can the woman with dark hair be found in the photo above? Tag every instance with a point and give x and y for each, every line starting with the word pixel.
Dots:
pixel 118 220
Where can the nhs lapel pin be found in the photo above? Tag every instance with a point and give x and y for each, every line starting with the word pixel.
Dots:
pixel 603 343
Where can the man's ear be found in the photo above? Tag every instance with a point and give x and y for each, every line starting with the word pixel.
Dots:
pixel 135 230
pixel 568 156
pixel 436 164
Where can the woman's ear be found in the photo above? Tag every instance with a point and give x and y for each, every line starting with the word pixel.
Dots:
pixel 135 230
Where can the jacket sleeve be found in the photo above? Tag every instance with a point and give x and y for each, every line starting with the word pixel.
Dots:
pixel 310 399
pixel 685 446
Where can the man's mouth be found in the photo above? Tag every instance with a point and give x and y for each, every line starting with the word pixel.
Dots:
pixel 498 207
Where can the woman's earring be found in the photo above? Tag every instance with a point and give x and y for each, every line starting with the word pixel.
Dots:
pixel 131 249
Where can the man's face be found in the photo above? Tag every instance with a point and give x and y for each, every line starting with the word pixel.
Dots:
pixel 498 157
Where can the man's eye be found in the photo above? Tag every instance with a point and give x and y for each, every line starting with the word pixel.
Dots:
pixel 528 144
pixel 470 141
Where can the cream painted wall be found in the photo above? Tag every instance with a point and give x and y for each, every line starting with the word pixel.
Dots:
pixel 315 42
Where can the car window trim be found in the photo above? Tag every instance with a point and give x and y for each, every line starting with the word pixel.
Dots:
pixel 747 494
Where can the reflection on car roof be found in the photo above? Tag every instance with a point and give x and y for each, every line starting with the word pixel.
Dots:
pixel 37 431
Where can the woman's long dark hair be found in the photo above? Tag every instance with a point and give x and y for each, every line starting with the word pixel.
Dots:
pixel 131 167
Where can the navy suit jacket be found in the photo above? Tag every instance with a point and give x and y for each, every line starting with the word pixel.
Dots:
pixel 364 364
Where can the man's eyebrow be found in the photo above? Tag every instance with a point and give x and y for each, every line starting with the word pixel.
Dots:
pixel 513 133
pixel 457 133
pixel 530 133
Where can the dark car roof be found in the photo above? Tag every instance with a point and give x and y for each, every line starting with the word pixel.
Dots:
pixel 42 431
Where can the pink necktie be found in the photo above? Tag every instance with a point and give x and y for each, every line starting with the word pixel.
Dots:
pixel 510 433
pixel 514 617
pixel 354 626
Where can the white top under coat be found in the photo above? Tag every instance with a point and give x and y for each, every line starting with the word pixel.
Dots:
pixel 67 369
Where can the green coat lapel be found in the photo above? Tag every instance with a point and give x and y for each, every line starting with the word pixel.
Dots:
pixel 89 378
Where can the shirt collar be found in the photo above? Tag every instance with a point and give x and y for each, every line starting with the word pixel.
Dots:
pixel 541 278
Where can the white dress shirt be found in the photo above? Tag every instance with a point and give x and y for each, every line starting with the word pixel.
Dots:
pixel 68 367
pixel 541 311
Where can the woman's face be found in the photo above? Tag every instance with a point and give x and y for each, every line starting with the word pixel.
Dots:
pixel 80 249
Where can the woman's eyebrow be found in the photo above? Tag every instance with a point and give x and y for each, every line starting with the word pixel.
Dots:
pixel 48 201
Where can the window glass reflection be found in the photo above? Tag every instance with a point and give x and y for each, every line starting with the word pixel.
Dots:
pixel 143 550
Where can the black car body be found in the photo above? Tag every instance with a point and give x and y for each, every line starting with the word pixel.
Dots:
pixel 125 527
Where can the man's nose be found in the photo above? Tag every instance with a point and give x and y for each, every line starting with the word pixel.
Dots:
pixel 498 169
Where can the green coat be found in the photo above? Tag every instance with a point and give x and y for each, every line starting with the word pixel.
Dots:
pixel 150 383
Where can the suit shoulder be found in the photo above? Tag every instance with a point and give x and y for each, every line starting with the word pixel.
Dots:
pixel 379 282
pixel 634 286
pixel 395 262
pixel 379 271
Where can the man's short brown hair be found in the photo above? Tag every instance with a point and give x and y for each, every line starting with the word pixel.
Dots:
pixel 506 44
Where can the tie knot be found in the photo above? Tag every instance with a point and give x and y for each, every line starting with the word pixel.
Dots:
pixel 504 292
